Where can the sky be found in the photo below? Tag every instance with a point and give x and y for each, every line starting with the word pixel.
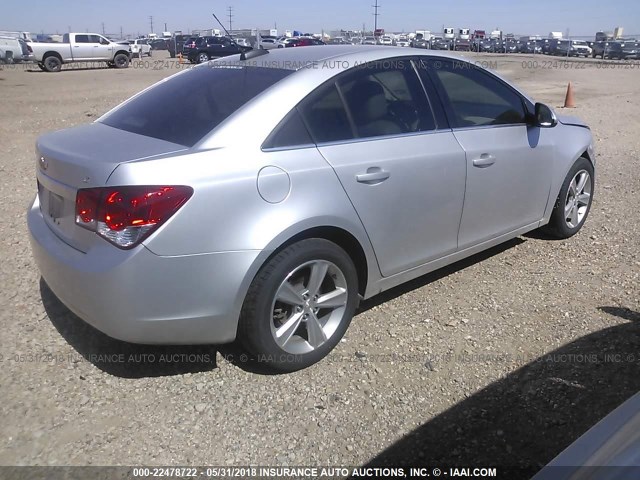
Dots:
pixel 579 17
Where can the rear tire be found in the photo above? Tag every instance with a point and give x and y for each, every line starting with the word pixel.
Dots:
pixel 299 305
pixel 203 57
pixel 574 201
pixel 52 64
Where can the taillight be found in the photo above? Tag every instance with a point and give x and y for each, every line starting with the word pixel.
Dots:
pixel 127 215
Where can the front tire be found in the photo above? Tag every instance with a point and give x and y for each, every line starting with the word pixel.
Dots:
pixel 121 60
pixel 299 305
pixel 203 57
pixel 574 201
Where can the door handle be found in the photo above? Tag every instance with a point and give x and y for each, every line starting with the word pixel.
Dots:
pixel 373 176
pixel 485 160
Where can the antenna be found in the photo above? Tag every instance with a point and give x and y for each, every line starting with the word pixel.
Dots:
pixel 242 55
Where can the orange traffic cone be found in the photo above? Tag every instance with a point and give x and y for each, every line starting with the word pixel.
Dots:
pixel 569 101
pixel 180 58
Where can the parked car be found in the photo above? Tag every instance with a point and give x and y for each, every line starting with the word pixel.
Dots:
pixel 631 50
pixel 160 43
pixel 403 41
pixel 440 44
pixel 14 49
pixel 549 46
pixel 80 47
pixel 385 40
pixel 580 48
pixel 139 47
pixel 420 43
pixel 572 48
pixel 616 50
pixel 207 48
pixel 267 43
pixel 369 41
pixel 338 41
pixel 530 47
pixel 243 42
pixel 188 46
pixel 176 44
pixel 304 42
pixel 461 45
pixel 509 46
pixel 286 42
pixel 190 228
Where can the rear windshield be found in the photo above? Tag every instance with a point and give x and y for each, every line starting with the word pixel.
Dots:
pixel 186 107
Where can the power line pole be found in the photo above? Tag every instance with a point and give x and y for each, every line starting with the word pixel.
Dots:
pixel 230 17
pixel 103 28
pixel 375 15
pixel 151 22
pixel 121 36
pixel 165 26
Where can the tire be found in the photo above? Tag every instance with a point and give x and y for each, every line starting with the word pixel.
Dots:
pixel 203 57
pixel 288 275
pixel 572 207
pixel 52 64
pixel 121 60
pixel 42 67
pixel 150 54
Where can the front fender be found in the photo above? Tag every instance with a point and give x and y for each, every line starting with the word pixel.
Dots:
pixel 572 143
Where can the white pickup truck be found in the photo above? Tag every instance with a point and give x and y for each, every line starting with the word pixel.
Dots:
pixel 80 47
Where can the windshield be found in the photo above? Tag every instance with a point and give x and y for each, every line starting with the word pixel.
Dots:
pixel 578 42
pixel 186 107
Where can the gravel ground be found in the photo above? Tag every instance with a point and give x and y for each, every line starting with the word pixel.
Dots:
pixel 497 360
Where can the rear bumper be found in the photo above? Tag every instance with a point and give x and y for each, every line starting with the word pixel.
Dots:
pixel 139 297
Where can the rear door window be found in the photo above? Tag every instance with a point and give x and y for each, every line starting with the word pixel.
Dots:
pixel 326 116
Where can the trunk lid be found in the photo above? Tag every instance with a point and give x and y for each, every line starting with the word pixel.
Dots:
pixel 84 157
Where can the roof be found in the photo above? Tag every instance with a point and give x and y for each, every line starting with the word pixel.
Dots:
pixel 298 58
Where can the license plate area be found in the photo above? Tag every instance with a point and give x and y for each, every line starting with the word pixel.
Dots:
pixel 55 207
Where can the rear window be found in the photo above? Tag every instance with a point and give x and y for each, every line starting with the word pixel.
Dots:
pixel 185 108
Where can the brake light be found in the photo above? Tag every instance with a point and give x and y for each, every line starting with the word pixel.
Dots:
pixel 127 215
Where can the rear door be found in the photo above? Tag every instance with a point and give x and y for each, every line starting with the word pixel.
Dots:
pixel 403 171
pixel 82 49
pixel 508 162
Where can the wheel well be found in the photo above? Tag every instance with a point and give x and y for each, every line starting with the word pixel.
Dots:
pixel 344 240
pixel 121 51
pixel 51 54
pixel 586 155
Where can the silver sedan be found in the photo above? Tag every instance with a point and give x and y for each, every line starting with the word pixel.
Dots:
pixel 263 196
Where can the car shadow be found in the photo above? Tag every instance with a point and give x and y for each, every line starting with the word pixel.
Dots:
pixel 529 417
pixel 123 359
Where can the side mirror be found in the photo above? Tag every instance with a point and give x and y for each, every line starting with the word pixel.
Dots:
pixel 544 117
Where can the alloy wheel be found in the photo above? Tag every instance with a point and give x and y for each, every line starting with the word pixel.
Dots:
pixel 578 199
pixel 308 306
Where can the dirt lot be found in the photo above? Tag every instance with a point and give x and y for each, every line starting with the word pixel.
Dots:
pixel 498 360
